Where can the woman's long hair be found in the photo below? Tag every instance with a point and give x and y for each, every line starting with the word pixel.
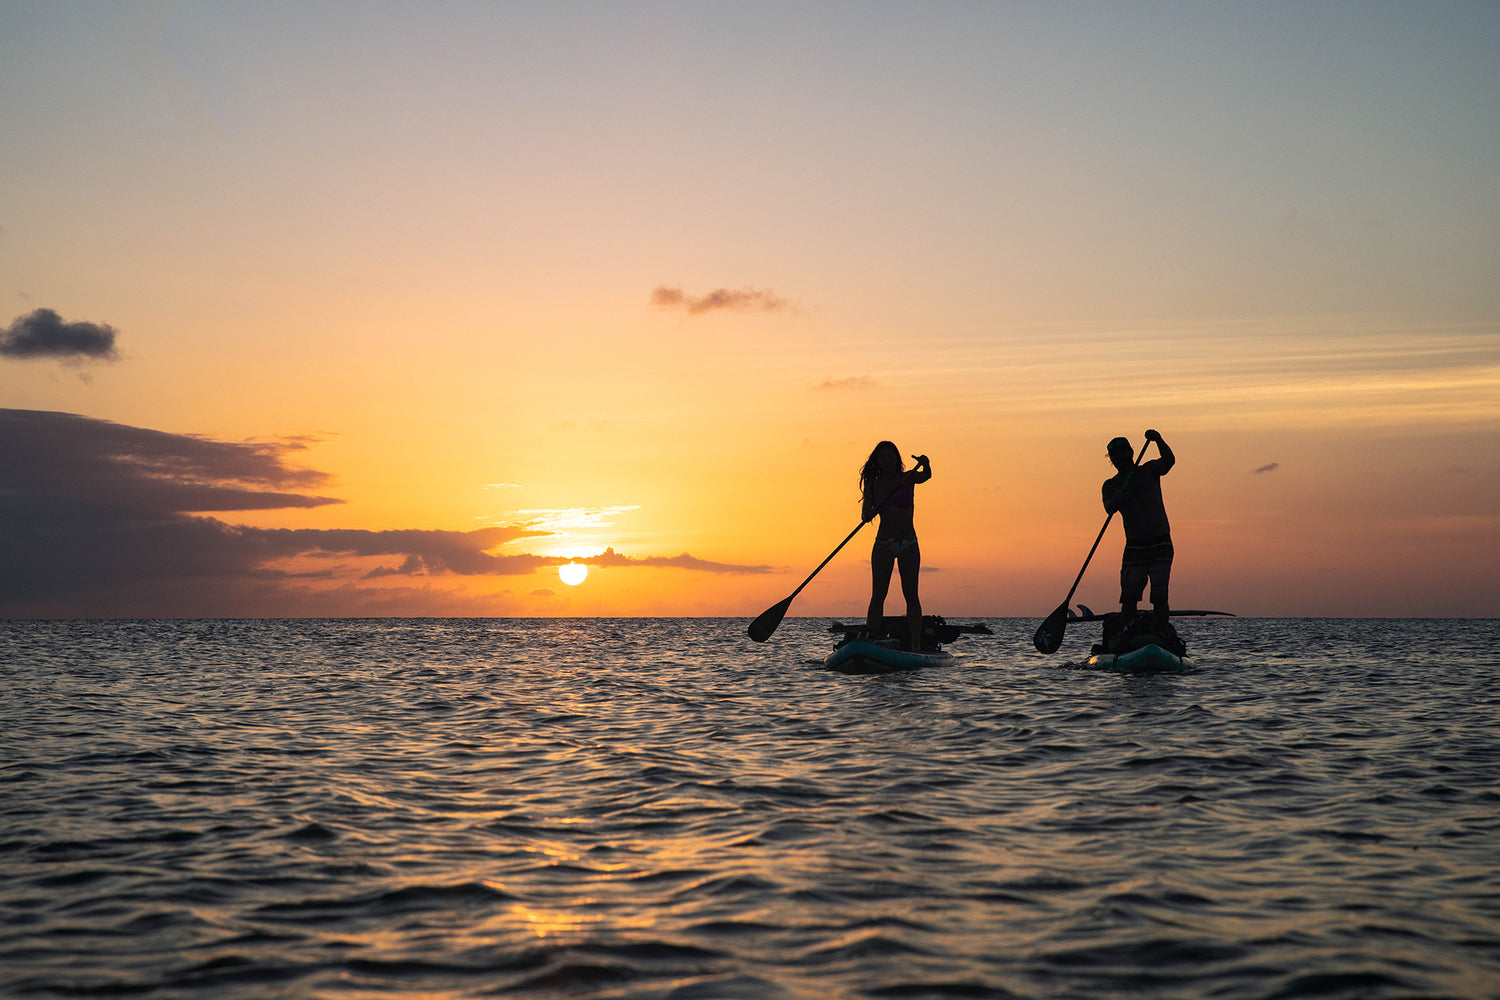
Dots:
pixel 870 471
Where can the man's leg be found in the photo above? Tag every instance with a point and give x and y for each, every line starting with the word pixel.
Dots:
pixel 1160 572
pixel 1133 574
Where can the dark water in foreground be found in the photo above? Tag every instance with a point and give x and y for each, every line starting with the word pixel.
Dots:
pixel 661 808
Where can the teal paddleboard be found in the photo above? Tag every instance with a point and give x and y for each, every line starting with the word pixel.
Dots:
pixel 1149 659
pixel 861 657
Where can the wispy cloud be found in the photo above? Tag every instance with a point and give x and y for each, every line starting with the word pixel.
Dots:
pixel 852 382
pixel 1271 467
pixel 573 518
pixel 1294 373
pixel 733 299
pixel 42 333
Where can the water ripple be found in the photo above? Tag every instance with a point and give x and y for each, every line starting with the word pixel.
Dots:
pixel 645 809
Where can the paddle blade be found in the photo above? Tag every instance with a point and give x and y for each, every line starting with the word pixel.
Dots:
pixel 760 630
pixel 1049 634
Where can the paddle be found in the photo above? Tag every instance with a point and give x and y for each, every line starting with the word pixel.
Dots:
pixel 760 630
pixel 1049 634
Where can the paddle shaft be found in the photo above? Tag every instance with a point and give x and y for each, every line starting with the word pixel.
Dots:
pixel 878 508
pixel 760 630
pixel 1100 537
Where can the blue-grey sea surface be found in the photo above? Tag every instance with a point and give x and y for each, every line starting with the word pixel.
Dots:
pixel 661 808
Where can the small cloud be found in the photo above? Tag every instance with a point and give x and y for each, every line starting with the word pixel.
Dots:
pixel 1271 467
pixel 734 299
pixel 852 382
pixel 42 333
pixel 542 592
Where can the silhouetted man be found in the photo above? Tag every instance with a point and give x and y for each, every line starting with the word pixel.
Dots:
pixel 1135 491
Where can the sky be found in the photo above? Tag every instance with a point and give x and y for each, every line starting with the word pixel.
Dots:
pixel 392 309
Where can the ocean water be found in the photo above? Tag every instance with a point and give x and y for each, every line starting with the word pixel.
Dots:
pixel 662 808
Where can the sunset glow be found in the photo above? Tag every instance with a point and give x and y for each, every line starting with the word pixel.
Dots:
pixel 350 310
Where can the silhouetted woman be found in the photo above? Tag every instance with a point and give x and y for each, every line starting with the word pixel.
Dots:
pixel 889 491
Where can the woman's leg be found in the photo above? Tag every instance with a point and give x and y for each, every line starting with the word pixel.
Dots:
pixel 881 564
pixel 910 562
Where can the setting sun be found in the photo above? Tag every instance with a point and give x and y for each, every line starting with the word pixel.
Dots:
pixel 573 573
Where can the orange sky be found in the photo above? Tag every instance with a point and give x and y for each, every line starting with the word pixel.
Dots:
pixel 656 282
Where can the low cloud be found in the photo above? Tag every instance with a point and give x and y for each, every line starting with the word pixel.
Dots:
pixel 99 519
pixel 42 333
pixel 422 552
pixel 1272 467
pixel 735 300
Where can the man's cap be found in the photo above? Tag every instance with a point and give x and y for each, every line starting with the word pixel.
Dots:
pixel 1119 444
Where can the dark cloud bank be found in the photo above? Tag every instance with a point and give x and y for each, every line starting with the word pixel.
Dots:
pixel 98 519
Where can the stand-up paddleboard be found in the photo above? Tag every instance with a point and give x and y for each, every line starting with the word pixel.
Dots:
pixel 1139 645
pixel 860 652
pixel 859 656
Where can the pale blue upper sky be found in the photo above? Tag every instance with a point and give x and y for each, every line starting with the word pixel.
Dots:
pixel 1301 156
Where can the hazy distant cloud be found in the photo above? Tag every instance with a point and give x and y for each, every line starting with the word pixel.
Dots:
pixel 99 519
pixel 609 557
pixel 1271 467
pixel 43 334
pixel 852 382
pixel 738 300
